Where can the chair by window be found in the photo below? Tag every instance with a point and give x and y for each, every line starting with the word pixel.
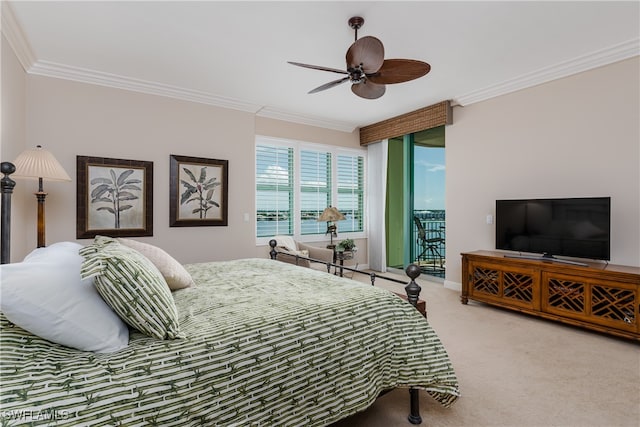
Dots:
pixel 430 244
pixel 288 244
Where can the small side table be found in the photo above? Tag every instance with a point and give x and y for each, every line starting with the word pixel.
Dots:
pixel 333 248
pixel 341 256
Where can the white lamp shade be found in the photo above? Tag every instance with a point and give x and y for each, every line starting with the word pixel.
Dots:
pixel 38 163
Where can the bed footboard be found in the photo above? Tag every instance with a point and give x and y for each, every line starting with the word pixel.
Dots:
pixel 412 289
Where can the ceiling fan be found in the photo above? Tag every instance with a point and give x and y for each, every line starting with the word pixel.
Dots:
pixel 367 70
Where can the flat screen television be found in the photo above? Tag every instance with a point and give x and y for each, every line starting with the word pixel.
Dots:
pixel 571 227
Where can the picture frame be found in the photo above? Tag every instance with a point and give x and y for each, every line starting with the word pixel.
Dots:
pixel 114 197
pixel 198 193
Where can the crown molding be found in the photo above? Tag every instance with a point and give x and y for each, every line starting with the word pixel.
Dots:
pixel 16 37
pixel 61 71
pixel 287 116
pixel 579 64
pixel 21 46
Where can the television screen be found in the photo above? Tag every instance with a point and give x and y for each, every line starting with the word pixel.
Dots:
pixel 573 227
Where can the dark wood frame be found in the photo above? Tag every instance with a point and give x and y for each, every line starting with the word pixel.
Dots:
pixel 177 164
pixel 84 189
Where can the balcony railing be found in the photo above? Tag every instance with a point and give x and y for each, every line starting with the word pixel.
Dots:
pixel 429 247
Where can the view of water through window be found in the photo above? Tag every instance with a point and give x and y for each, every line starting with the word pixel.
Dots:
pixel 429 209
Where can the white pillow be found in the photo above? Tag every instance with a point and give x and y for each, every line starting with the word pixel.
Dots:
pixel 287 242
pixel 173 272
pixel 44 295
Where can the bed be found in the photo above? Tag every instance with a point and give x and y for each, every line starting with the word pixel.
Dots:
pixel 260 343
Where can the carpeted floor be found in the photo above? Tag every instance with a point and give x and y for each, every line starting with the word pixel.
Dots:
pixel 518 371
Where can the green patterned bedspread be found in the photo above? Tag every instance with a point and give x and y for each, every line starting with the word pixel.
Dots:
pixel 268 344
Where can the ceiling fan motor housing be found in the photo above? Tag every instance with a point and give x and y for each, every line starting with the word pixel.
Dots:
pixel 356 23
pixel 357 74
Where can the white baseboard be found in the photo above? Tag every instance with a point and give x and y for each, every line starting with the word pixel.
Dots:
pixel 455 286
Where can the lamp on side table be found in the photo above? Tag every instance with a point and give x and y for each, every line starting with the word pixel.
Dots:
pixel 331 215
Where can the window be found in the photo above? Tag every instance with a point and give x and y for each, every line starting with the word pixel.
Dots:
pixel 274 190
pixel 315 189
pixel 351 192
pixel 295 182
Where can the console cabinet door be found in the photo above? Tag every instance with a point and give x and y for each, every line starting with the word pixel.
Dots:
pixel 514 286
pixel 599 301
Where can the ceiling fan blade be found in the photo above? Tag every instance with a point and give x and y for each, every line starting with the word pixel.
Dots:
pixel 368 90
pixel 399 71
pixel 367 51
pixel 329 85
pixel 317 67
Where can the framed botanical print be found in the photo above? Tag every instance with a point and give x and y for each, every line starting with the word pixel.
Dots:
pixel 198 193
pixel 114 197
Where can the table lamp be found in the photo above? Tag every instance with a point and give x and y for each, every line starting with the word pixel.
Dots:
pixel 330 215
pixel 39 164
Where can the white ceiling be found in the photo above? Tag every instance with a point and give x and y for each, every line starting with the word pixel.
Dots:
pixel 234 54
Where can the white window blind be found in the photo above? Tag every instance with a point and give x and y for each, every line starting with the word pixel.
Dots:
pixel 315 189
pixel 296 181
pixel 350 183
pixel 274 190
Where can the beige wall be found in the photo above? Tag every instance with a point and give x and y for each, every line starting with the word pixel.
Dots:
pixel 578 136
pixel 574 137
pixel 12 141
pixel 298 132
pixel 70 119
pixel 73 119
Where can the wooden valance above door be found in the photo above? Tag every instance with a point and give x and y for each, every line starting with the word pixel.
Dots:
pixel 425 118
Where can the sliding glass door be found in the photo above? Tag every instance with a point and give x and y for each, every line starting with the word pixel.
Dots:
pixel 415 220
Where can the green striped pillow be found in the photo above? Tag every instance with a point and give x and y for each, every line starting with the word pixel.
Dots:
pixel 132 286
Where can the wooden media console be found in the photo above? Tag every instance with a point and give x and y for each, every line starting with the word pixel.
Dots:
pixel 598 296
